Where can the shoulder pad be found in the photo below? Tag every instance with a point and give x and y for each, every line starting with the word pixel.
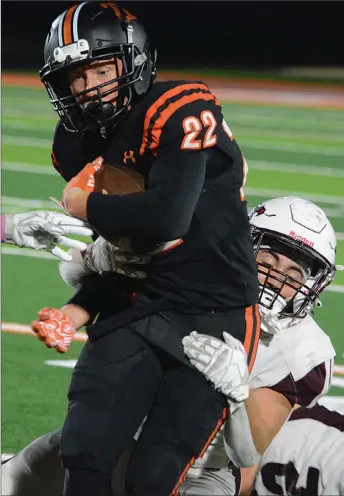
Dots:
pixel 166 111
pixel 295 351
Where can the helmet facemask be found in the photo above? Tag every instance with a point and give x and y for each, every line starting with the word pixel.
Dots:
pixel 97 112
pixel 279 312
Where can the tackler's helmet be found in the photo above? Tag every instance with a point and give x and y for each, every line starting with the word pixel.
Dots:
pixel 301 231
pixel 95 31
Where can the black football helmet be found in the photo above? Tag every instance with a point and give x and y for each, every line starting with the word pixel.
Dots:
pixel 95 31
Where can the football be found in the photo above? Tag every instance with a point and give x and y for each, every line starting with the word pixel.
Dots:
pixel 121 180
pixel 118 180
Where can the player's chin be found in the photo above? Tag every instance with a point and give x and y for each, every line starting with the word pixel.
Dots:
pixel 288 294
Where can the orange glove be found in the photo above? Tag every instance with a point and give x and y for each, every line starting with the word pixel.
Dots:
pixel 54 328
pixel 85 178
pixel 83 181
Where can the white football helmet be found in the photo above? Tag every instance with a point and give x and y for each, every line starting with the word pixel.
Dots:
pixel 300 230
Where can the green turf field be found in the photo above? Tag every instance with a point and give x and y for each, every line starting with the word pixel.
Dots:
pixel 289 150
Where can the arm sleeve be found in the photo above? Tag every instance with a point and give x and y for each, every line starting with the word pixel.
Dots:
pixel 164 211
pixel 103 294
pixel 238 441
pixel 72 151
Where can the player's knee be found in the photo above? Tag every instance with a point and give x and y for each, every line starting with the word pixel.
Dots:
pixel 91 440
pixel 86 482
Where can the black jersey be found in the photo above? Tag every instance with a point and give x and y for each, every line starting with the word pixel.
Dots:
pixel 177 138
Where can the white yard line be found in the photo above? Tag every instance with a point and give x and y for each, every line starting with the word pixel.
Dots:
pixel 30 142
pixel 272 193
pixel 338 382
pixel 335 288
pixel 297 147
pixel 253 164
pixel 296 168
pixel 26 252
pixel 16 328
pixel 27 203
pixel 29 168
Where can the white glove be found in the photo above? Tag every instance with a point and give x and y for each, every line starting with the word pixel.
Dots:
pixel 222 363
pixel 72 272
pixel 103 256
pixel 43 230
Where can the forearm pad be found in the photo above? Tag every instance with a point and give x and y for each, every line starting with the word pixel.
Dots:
pixel 238 440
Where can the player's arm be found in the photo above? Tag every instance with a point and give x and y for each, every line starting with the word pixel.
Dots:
pixel 268 408
pixel 257 415
pixel 224 363
pixel 94 295
pixel 306 391
pixel 44 230
pixel 267 411
pixel 164 211
pixel 250 429
pixel 66 156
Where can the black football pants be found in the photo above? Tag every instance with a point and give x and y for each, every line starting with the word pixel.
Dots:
pixel 122 378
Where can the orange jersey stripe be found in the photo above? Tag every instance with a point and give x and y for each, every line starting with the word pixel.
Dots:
pixel 252 334
pixel 67 26
pixel 153 109
pixel 249 330
pixel 166 114
pixel 193 459
pixel 255 339
pixel 215 431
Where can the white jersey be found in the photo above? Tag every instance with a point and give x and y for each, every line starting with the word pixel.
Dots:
pixel 296 362
pixel 306 456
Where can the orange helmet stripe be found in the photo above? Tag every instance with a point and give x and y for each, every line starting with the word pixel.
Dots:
pixel 117 11
pixel 67 26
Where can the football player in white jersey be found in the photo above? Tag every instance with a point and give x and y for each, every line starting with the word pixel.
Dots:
pixel 306 456
pixel 294 359
pixel 295 250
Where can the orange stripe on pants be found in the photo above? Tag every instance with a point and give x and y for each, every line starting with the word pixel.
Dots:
pixel 193 459
pixel 252 318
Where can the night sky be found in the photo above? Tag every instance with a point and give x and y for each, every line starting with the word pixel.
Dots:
pixel 203 34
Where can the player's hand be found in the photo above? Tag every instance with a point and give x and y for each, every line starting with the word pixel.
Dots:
pixel 43 230
pixel 103 256
pixel 84 180
pixel 54 328
pixel 75 194
pixel 222 363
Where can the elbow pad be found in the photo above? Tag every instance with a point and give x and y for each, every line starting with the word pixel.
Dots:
pixel 238 440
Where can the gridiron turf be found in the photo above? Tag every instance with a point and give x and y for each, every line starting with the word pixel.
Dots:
pixel 289 150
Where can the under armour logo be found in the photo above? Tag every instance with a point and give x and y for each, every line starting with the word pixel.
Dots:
pixel 129 155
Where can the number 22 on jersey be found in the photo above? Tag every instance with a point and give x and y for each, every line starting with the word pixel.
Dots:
pixel 193 126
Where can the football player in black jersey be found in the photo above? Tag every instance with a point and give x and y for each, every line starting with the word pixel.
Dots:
pixel 99 71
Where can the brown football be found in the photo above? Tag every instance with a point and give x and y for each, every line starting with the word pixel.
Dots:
pixel 118 180
pixel 121 180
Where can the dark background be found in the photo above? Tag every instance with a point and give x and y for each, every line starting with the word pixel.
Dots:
pixel 200 34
